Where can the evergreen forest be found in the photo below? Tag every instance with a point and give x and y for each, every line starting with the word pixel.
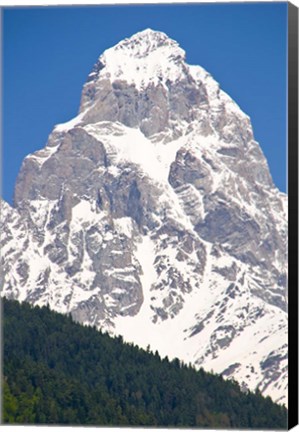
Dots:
pixel 56 371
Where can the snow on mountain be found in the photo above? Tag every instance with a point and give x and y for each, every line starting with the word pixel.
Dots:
pixel 153 215
pixel 147 58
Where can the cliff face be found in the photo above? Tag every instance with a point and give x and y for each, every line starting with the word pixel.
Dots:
pixel 153 215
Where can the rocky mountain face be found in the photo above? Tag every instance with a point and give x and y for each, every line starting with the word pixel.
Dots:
pixel 153 215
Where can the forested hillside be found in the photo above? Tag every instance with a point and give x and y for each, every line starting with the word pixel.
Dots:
pixel 56 371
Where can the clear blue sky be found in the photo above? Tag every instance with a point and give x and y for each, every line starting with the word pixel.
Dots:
pixel 48 53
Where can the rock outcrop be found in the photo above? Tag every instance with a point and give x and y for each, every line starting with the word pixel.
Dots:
pixel 153 215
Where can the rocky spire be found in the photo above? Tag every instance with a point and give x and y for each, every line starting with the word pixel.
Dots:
pixel 153 215
pixel 145 82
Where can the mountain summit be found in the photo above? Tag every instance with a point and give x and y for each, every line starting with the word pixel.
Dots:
pixel 143 45
pixel 147 57
pixel 153 215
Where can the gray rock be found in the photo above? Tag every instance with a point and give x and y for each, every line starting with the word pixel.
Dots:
pixel 216 223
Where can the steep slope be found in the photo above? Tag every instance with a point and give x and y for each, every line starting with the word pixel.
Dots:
pixel 153 215
pixel 70 374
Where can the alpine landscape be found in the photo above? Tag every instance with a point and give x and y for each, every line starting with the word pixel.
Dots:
pixel 152 216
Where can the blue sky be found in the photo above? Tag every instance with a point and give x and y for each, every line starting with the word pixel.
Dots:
pixel 48 53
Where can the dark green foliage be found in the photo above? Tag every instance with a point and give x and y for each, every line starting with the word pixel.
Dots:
pixel 59 372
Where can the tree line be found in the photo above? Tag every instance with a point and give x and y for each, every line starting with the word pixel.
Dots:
pixel 56 371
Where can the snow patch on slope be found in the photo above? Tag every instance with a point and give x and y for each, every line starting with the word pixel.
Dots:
pixel 135 329
pixel 130 145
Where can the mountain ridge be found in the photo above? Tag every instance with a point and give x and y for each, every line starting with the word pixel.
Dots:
pixel 153 214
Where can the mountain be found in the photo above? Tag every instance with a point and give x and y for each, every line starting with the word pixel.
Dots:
pixel 70 374
pixel 153 215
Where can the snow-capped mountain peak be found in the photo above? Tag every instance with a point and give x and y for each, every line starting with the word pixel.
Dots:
pixel 145 83
pixel 144 58
pixel 153 215
pixel 144 43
